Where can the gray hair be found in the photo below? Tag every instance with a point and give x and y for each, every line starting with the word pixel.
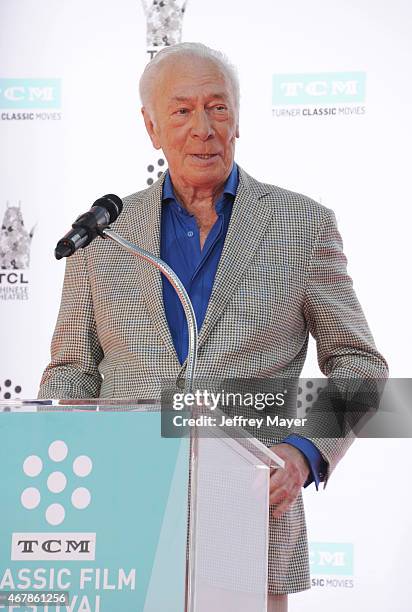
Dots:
pixel 185 49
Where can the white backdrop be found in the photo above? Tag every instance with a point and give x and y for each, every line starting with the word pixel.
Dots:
pixel 71 130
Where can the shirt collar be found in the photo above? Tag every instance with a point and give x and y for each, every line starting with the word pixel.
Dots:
pixel 230 187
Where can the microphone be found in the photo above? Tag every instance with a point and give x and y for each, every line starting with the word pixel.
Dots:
pixel 89 225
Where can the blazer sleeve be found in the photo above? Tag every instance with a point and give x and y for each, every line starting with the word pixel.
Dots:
pixel 75 350
pixel 345 347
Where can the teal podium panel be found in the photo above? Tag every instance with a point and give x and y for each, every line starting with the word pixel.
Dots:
pixel 94 504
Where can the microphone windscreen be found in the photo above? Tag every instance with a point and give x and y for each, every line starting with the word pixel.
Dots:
pixel 112 203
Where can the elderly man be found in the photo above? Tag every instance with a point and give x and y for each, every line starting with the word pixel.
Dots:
pixel 263 267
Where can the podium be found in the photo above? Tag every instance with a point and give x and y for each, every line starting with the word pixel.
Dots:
pixel 98 509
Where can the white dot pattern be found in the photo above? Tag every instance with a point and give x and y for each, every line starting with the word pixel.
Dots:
pixel 32 466
pixel 81 498
pixel 30 498
pixel 56 482
pixel 82 466
pixel 55 514
pixel 58 450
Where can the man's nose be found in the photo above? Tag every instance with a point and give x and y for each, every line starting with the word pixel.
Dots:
pixel 201 125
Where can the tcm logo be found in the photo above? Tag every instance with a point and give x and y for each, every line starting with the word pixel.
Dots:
pixel 325 87
pixel 331 558
pixel 53 547
pixel 30 93
pixel 54 476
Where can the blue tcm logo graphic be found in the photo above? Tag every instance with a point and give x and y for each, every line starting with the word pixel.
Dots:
pixel 318 88
pixel 331 558
pixel 30 93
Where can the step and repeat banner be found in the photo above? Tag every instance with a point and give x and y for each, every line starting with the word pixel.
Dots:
pixel 325 111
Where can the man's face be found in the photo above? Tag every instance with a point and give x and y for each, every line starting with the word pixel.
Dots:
pixel 194 121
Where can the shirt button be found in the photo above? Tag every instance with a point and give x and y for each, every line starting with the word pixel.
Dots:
pixel 190 234
pixel 180 383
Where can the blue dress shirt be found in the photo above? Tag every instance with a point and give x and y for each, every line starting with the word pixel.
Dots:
pixel 196 268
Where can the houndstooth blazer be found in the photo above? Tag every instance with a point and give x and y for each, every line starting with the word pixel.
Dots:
pixel 282 274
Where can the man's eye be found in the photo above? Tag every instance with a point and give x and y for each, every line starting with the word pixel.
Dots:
pixel 182 111
pixel 220 107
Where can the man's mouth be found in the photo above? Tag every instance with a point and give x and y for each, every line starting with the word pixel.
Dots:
pixel 204 156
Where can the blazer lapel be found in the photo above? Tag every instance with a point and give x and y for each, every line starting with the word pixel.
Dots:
pixel 144 231
pixel 246 229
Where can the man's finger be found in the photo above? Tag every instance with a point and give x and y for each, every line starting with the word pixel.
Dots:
pixel 281 480
pixel 282 497
pixel 278 495
pixel 278 510
pixel 277 479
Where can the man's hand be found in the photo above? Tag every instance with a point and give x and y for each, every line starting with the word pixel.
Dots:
pixel 285 484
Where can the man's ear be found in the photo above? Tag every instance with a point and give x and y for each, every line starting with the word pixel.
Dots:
pixel 151 128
